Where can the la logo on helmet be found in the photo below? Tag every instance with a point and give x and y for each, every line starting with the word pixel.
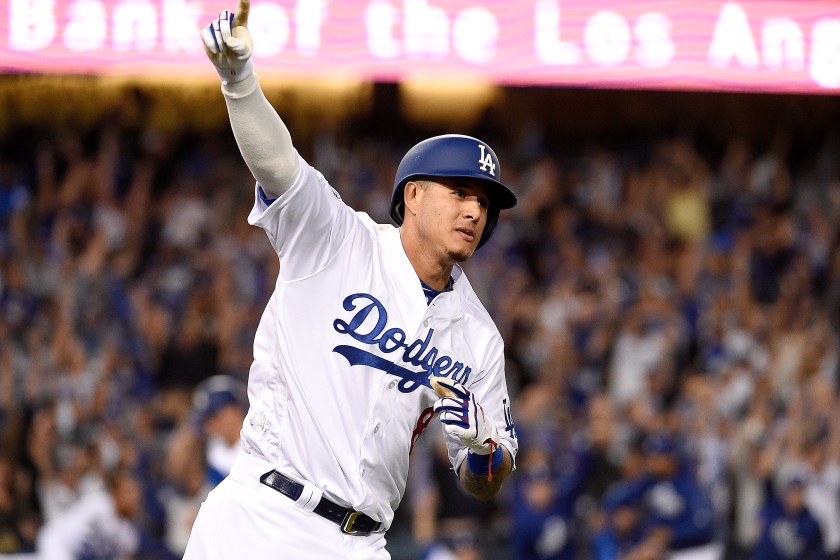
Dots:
pixel 486 161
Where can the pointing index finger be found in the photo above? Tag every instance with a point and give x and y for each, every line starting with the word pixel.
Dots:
pixel 242 10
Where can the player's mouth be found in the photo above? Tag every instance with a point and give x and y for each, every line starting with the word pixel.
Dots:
pixel 467 233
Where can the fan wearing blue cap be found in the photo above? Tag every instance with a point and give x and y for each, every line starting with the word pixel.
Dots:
pixel 218 408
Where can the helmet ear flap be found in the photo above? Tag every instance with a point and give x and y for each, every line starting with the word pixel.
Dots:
pixel 398 205
pixel 489 227
pixel 399 208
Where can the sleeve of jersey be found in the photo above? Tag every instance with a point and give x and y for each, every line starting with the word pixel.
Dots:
pixel 490 390
pixel 305 225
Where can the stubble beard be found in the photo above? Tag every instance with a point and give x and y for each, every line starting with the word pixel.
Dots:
pixel 460 256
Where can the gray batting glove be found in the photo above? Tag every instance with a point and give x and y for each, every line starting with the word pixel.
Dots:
pixel 228 43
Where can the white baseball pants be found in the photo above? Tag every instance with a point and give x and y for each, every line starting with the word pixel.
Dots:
pixel 243 518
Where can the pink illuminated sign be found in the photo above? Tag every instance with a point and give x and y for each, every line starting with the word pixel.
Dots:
pixel 757 45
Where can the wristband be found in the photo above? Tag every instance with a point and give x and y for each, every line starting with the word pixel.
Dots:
pixel 233 75
pixel 481 464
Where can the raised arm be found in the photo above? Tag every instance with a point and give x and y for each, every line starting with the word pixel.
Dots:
pixel 263 139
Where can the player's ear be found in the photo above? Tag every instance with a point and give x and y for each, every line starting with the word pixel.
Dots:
pixel 411 192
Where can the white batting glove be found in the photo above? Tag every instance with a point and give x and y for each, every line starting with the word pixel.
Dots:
pixel 228 43
pixel 464 418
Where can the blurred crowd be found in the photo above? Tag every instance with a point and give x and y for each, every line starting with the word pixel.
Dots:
pixel 670 316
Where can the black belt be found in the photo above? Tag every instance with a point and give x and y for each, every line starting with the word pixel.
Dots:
pixel 351 522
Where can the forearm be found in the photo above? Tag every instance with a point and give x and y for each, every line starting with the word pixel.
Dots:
pixel 263 139
pixel 486 485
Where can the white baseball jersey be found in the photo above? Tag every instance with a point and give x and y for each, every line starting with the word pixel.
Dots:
pixel 339 385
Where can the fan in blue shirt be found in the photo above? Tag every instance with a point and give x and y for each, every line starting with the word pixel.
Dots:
pixel 788 530
pixel 670 497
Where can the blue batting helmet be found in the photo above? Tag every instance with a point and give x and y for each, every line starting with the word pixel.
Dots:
pixel 454 155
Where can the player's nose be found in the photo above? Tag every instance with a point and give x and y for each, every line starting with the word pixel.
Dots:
pixel 471 208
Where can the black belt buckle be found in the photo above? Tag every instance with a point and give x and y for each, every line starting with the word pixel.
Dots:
pixel 347 524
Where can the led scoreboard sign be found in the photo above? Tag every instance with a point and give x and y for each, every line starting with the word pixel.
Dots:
pixel 749 45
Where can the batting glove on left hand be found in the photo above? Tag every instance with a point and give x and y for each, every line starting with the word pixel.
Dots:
pixel 228 43
pixel 464 418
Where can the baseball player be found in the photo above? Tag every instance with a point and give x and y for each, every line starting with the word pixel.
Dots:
pixel 370 331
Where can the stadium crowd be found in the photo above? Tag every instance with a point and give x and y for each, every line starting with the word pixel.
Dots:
pixel 670 319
